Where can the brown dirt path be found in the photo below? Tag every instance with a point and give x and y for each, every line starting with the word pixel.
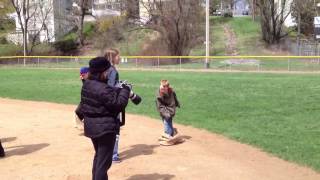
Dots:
pixel 41 143
pixel 231 41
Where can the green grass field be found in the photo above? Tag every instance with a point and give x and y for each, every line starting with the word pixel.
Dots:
pixel 276 112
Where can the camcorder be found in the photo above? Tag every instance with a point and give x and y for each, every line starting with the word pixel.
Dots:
pixel 135 98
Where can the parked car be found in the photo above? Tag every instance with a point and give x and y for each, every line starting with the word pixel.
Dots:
pixel 245 12
pixel 217 13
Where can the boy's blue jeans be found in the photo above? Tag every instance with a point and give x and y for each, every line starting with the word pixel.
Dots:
pixel 168 127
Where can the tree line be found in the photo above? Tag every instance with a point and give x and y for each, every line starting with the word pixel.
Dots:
pixel 178 23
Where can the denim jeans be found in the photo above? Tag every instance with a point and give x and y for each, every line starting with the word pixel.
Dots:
pixel 115 155
pixel 168 127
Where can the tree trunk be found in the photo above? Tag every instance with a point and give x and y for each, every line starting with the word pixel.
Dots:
pixel 253 10
pixel 25 40
pixel 80 32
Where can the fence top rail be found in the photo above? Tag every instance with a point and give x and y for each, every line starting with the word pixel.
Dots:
pixel 169 57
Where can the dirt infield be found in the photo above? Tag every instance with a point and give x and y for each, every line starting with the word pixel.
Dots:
pixel 41 143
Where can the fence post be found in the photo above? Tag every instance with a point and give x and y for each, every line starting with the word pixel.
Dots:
pixel 225 65
pixel 38 62
pixel 318 52
pixel 289 64
pixel 136 62
pixel 180 64
pixel 158 62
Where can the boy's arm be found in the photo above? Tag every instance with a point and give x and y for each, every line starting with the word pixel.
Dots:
pixel 162 109
pixel 159 104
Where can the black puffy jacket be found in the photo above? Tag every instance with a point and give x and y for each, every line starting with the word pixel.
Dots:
pixel 100 106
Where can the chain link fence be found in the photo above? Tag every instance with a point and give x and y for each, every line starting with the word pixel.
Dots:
pixel 216 63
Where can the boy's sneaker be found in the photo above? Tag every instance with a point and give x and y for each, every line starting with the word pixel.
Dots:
pixel 116 160
pixel 166 136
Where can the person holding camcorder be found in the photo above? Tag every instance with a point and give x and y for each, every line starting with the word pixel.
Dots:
pixel 101 104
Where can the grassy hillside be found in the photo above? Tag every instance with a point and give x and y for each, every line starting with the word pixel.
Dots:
pixel 247 33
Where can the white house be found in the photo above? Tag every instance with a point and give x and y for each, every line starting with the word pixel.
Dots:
pixel 240 7
pixel 102 8
pixel 289 21
pixel 49 19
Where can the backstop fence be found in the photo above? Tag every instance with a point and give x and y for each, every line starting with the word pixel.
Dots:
pixel 216 63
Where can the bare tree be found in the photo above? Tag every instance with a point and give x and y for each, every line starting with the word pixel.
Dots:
pixel 273 16
pixel 30 15
pixel 43 21
pixel 80 11
pixel 179 23
pixel 132 9
pixel 22 8
pixel 304 13
pixel 254 9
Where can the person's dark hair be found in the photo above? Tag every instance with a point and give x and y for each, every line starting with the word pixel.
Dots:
pixel 97 68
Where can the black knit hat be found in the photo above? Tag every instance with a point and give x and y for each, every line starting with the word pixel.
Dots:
pixel 98 65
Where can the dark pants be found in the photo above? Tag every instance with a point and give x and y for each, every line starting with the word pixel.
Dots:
pixel 102 161
pixel 1 150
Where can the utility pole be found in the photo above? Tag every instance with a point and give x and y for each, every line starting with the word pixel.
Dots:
pixel 207 65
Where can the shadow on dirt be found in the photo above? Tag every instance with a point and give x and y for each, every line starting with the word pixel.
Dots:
pixel 137 150
pixel 8 139
pixel 24 149
pixel 185 137
pixel 154 176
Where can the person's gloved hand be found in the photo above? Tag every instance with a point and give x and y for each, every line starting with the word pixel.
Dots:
pixel 131 94
pixel 127 86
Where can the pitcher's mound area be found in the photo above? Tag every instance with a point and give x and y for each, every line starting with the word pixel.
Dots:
pixel 41 143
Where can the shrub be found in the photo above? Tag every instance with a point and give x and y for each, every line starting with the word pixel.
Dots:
pixel 3 40
pixel 65 46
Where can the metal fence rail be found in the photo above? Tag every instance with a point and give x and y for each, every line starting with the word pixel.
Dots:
pixel 221 63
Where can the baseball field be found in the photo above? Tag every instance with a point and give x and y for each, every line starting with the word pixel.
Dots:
pixel 236 125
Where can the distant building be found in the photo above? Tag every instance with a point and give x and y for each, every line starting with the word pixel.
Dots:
pixel 289 21
pixel 102 8
pixel 57 14
pixel 241 7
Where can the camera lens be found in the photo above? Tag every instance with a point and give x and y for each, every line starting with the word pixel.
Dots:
pixel 136 99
